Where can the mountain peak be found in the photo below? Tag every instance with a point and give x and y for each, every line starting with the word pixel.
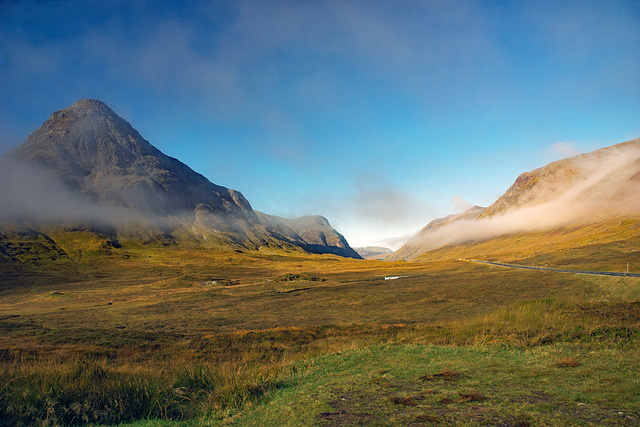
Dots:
pixel 86 164
pixel 83 108
pixel 90 104
pixel 95 151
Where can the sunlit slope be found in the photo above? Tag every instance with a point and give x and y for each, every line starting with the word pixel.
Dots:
pixel 425 237
pixel 602 246
pixel 588 198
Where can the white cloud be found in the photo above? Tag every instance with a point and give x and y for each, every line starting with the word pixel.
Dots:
pixel 561 150
pixel 603 184
pixel 460 204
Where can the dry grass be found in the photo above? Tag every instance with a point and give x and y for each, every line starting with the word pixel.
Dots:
pixel 407 401
pixel 471 396
pixel 186 333
pixel 568 362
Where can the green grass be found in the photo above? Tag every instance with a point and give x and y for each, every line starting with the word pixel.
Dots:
pixel 385 385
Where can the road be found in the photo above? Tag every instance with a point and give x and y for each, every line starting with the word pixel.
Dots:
pixel 595 273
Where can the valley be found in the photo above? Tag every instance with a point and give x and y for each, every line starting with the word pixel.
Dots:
pixel 319 213
pixel 134 291
pixel 206 337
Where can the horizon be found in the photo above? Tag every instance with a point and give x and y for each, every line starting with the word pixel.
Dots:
pixel 377 117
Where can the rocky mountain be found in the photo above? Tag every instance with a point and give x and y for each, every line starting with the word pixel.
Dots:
pixel 312 232
pixel 373 252
pixel 88 169
pixel 96 153
pixel 579 191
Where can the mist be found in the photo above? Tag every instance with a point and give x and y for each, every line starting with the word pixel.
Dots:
pixel 33 196
pixel 36 197
pixel 585 188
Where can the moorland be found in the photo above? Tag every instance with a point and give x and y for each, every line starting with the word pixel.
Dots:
pixel 134 291
pixel 153 335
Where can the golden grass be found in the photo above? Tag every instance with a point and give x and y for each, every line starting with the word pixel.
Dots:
pixel 601 246
pixel 567 362
pixel 199 331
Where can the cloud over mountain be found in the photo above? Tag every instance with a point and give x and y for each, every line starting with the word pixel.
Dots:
pixel 88 165
pixel 583 189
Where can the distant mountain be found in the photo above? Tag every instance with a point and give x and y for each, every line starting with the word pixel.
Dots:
pixel 313 233
pixel 88 169
pixel 373 252
pixel 580 191
pixel 427 239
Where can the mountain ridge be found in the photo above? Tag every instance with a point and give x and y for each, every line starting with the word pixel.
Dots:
pixel 87 168
pixel 578 191
pixel 312 232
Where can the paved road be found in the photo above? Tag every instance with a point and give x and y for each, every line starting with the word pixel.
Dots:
pixel 595 273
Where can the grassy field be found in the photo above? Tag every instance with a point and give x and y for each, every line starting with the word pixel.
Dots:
pixel 164 336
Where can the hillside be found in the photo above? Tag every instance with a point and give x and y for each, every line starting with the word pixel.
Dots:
pixel 585 194
pixel 419 241
pixel 86 175
pixel 312 232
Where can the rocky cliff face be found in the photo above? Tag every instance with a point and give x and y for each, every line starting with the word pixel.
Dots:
pixel 89 168
pixel 98 154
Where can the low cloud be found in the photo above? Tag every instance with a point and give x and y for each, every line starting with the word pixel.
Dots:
pixel 598 185
pixel 561 150
pixel 376 214
pixel 33 195
pixel 460 204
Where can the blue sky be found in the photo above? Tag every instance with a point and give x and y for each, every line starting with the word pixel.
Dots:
pixel 379 115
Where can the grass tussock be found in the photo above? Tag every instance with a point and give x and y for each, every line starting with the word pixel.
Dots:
pixel 471 396
pixel 568 362
pixel 445 375
pixel 427 418
pixel 102 393
pixel 407 401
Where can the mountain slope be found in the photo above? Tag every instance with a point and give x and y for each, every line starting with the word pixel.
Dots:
pixel 577 192
pixel 88 169
pixel 99 154
pixel 312 232
pixel 428 238
pixel 607 179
